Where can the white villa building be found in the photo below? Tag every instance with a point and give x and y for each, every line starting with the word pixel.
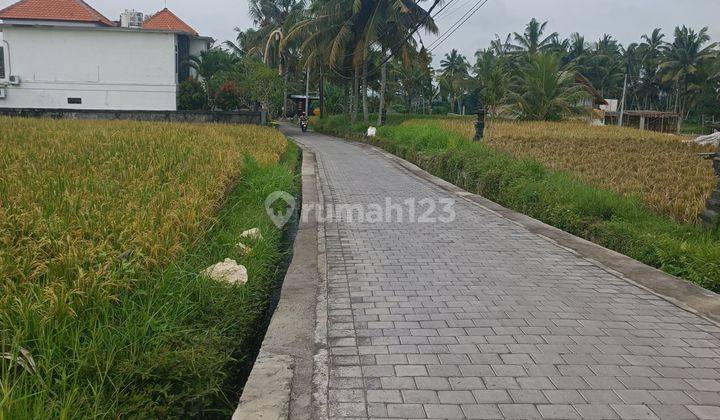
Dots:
pixel 63 54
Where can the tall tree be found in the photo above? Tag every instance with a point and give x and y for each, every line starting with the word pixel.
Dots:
pixel 453 77
pixel 542 90
pixel 683 62
pixel 533 40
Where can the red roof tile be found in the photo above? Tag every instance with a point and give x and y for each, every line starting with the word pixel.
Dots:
pixel 56 10
pixel 165 20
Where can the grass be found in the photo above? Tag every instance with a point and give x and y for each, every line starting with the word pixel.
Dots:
pixel 617 221
pixel 666 174
pixel 104 227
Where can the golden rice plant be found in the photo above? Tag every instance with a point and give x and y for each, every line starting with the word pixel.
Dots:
pixel 79 198
pixel 665 173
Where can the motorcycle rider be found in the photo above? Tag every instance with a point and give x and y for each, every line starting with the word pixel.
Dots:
pixel 303 121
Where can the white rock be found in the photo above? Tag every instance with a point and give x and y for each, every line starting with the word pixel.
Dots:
pixel 228 271
pixel 372 131
pixel 243 249
pixel 253 234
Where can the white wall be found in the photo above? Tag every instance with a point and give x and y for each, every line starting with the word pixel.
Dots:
pixel 108 69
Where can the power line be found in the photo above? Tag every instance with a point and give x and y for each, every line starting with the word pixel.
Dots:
pixel 470 13
pixel 452 11
pixel 458 23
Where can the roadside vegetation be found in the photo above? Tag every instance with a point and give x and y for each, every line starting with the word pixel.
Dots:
pixel 666 174
pixel 510 174
pixel 104 228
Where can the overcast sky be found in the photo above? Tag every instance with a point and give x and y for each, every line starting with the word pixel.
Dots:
pixel 627 20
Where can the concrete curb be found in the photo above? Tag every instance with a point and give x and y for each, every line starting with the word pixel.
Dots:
pixel 281 382
pixel 682 293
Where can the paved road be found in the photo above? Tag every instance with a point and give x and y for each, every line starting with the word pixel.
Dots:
pixel 479 318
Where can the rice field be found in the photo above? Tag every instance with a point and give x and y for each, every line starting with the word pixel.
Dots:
pixel 75 196
pixel 666 174
pixel 91 215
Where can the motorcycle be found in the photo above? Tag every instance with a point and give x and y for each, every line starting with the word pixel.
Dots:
pixel 304 125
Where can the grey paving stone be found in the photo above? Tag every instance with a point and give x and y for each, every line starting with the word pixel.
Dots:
pixel 672 412
pixel 481 411
pixel 705 412
pixel 420 396
pixel 635 411
pixel 564 396
pixel 444 411
pixel 406 411
pixel 382 395
pixel 519 411
pixel 557 411
pixel 456 397
pixel 494 396
pixel 481 318
pixel 595 411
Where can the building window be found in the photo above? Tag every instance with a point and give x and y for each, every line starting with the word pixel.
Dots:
pixel 2 62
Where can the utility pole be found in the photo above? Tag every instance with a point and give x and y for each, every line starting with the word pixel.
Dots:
pixel 307 92
pixel 622 104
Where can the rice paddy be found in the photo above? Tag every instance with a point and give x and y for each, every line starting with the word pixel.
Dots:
pixel 103 229
pixel 665 173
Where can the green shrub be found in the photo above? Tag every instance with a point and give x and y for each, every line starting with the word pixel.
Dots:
pixel 192 96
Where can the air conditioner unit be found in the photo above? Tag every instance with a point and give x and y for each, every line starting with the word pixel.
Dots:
pixel 3 93
pixel 14 80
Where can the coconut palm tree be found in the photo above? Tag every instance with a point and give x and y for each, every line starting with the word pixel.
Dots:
pixel 542 90
pixel 274 18
pixel 578 46
pixel 398 19
pixel 492 82
pixel 648 85
pixel 532 40
pixel 501 47
pixel 453 77
pixel 352 30
pixel 682 62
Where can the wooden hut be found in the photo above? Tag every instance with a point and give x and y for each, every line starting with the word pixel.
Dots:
pixel 663 122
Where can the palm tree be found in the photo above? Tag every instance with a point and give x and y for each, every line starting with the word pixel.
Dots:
pixel 532 41
pixel 492 82
pixel 542 90
pixel 208 64
pixel 578 46
pixel 274 18
pixel 454 74
pixel 650 50
pixel 399 18
pixel 501 48
pixel 683 60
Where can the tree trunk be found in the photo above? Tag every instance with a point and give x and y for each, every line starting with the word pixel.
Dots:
pixel 321 92
pixel 383 83
pixel 366 114
pixel 285 82
pixel 356 89
pixel 284 103
pixel 346 100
